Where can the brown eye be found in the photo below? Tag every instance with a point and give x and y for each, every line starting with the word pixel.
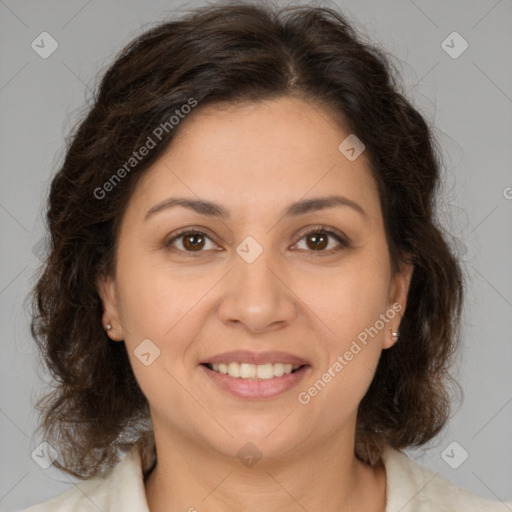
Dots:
pixel 319 240
pixel 193 241
pixel 190 241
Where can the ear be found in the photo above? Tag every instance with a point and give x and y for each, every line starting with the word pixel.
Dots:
pixel 107 290
pixel 398 291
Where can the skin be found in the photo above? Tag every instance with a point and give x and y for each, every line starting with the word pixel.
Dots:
pixel 255 160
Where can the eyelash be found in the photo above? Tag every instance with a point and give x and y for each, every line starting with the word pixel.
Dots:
pixel 341 239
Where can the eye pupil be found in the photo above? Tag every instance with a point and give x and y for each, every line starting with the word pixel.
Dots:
pixel 319 241
pixel 196 238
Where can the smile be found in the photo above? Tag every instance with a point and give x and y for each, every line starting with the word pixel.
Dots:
pixel 253 371
pixel 254 381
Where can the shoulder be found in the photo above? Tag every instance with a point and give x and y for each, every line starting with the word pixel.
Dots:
pixel 119 488
pixel 84 496
pixel 413 487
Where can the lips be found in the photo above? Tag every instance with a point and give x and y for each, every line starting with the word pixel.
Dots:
pixel 255 375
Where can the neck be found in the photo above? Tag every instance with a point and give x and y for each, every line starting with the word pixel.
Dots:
pixel 328 478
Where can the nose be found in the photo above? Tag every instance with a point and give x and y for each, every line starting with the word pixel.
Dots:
pixel 257 295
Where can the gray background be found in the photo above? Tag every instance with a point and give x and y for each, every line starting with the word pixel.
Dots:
pixel 469 99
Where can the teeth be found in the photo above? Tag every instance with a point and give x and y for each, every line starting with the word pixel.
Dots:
pixel 254 371
pixel 247 371
pixel 265 371
pixel 233 369
pixel 278 369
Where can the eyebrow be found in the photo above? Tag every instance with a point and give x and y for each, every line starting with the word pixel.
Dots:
pixel 211 209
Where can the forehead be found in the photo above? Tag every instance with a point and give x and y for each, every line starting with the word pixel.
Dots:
pixel 255 153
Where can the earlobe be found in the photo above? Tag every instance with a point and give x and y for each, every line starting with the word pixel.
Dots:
pixel 110 319
pixel 398 299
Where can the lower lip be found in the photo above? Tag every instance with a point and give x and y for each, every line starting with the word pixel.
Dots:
pixel 248 388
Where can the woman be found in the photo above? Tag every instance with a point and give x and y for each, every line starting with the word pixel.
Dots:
pixel 247 289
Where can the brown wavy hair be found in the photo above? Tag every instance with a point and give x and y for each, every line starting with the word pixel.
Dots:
pixel 239 52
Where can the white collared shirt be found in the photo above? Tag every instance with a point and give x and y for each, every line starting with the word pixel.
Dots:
pixel 410 487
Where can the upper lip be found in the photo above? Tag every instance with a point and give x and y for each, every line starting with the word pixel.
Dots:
pixel 246 356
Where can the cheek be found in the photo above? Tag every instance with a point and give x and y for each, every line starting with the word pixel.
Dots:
pixel 156 297
pixel 349 299
pixel 352 354
pixel 166 305
pixel 333 395
pixel 160 311
pixel 349 308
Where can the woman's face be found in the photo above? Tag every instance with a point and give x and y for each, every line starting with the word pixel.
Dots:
pixel 248 280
